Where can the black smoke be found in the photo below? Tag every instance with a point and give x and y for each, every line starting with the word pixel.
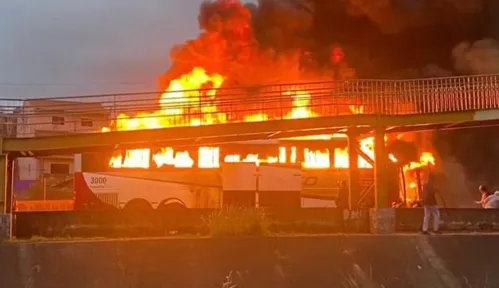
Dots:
pixel 385 38
pixel 398 39
pixel 276 41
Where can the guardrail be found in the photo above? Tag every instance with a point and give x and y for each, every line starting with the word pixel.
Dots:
pixel 43 205
pixel 452 219
pixel 120 223
pixel 228 105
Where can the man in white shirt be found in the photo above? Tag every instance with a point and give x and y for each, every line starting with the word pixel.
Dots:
pixel 492 202
pixel 489 200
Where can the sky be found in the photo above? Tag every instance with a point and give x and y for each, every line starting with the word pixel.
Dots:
pixel 56 48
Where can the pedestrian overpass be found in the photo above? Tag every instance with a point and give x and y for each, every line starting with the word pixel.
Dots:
pixel 352 107
pixel 394 105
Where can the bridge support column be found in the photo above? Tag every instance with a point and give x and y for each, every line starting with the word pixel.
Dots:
pixel 6 178
pixel 353 170
pixel 382 217
pixel 6 185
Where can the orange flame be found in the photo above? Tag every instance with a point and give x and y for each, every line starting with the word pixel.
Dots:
pixel 183 97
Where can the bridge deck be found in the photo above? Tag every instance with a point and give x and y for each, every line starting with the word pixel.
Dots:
pixel 223 133
pixel 321 108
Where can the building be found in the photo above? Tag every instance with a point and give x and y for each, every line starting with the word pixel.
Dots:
pixel 8 125
pixel 46 117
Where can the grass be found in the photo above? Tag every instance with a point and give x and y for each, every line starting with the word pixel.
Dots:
pixel 233 221
pixel 237 221
pixel 250 221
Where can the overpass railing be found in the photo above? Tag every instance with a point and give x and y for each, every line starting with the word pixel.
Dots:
pixel 40 117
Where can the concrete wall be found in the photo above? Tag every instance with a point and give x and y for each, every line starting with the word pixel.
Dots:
pixel 333 261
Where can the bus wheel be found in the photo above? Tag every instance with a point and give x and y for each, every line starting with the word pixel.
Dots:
pixel 171 205
pixel 173 218
pixel 138 205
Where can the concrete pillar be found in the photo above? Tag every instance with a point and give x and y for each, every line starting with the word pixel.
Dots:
pixel 5 226
pixel 3 182
pixel 5 196
pixel 382 217
pixel 380 177
pixel 353 170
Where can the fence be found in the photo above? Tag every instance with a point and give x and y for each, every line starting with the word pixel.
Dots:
pixel 229 105
pixel 119 223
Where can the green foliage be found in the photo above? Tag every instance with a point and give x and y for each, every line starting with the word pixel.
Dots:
pixel 234 280
pixel 237 221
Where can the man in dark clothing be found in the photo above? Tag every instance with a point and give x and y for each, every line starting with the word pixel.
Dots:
pixel 342 199
pixel 430 205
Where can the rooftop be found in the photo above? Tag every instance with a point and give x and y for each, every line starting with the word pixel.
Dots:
pixel 67 106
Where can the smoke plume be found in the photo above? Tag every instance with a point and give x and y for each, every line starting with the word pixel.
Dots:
pixel 276 41
pixel 393 16
pixel 257 44
pixel 480 57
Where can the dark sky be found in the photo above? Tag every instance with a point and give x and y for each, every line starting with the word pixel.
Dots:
pixel 59 47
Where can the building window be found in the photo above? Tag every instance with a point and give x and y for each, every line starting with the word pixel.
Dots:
pixel 57 120
pixel 59 168
pixel 85 122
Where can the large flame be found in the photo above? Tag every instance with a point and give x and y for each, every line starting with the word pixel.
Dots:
pixel 180 106
pixel 180 98
pixel 227 44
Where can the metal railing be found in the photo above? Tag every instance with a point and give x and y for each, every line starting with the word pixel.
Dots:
pixel 230 105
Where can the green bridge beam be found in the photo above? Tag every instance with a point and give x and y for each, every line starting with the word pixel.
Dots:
pixel 77 143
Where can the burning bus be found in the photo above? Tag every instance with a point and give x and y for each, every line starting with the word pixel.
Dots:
pixel 285 173
pixel 297 172
pixel 275 174
pixel 196 91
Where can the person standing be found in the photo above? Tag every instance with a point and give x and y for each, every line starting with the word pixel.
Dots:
pixel 342 198
pixel 430 205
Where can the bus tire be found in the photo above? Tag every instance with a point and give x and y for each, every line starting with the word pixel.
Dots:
pixel 138 204
pixel 171 204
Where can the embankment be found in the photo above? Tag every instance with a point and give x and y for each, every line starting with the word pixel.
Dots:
pixel 321 261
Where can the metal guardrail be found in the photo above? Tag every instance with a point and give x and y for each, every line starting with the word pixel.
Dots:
pixel 335 98
pixel 452 219
pixel 43 205
pixel 120 223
